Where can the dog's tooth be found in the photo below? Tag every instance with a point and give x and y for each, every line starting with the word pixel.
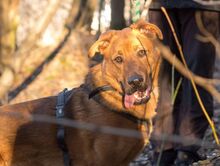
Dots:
pixel 136 95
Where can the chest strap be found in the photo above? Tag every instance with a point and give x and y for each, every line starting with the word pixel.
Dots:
pixel 62 98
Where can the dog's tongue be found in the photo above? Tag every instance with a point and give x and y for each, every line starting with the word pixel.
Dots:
pixel 129 101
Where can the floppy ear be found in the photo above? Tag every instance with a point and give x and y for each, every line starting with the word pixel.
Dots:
pixel 101 44
pixel 147 29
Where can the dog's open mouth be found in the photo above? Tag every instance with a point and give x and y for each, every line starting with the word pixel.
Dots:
pixel 137 98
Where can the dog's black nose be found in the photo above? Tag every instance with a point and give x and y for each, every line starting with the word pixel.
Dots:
pixel 135 80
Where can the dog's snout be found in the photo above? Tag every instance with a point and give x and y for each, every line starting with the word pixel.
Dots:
pixel 135 80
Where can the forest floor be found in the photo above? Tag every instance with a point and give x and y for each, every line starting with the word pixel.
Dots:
pixel 68 70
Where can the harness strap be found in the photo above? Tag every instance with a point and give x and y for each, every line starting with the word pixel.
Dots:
pixel 100 89
pixel 61 101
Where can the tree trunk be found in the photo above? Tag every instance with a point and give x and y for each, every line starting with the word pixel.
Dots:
pixel 9 21
pixel 117 14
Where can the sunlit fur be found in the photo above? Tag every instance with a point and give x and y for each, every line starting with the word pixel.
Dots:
pixel 108 73
pixel 27 143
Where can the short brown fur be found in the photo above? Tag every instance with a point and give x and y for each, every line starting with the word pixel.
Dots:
pixel 25 143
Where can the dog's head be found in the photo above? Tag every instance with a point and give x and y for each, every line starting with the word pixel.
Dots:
pixel 130 63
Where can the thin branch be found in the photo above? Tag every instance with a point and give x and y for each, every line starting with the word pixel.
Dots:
pixel 208 36
pixel 207 84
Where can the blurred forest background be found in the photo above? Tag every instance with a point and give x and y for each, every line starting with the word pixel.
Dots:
pixel 44 44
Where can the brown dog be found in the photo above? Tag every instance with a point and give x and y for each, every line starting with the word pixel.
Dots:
pixel 130 68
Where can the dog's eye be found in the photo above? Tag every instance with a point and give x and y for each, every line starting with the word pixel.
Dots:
pixel 142 53
pixel 118 59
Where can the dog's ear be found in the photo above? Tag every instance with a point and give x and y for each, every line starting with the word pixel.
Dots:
pixel 147 29
pixel 101 44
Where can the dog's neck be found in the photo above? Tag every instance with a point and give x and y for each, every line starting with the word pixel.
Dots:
pixel 113 100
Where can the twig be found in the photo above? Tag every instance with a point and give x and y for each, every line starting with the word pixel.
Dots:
pixel 191 78
pixel 208 36
pixel 207 84
pixel 161 151
pixel 174 94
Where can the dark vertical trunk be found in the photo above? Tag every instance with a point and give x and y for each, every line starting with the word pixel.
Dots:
pixel 117 14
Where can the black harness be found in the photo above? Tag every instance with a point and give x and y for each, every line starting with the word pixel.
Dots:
pixel 62 98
